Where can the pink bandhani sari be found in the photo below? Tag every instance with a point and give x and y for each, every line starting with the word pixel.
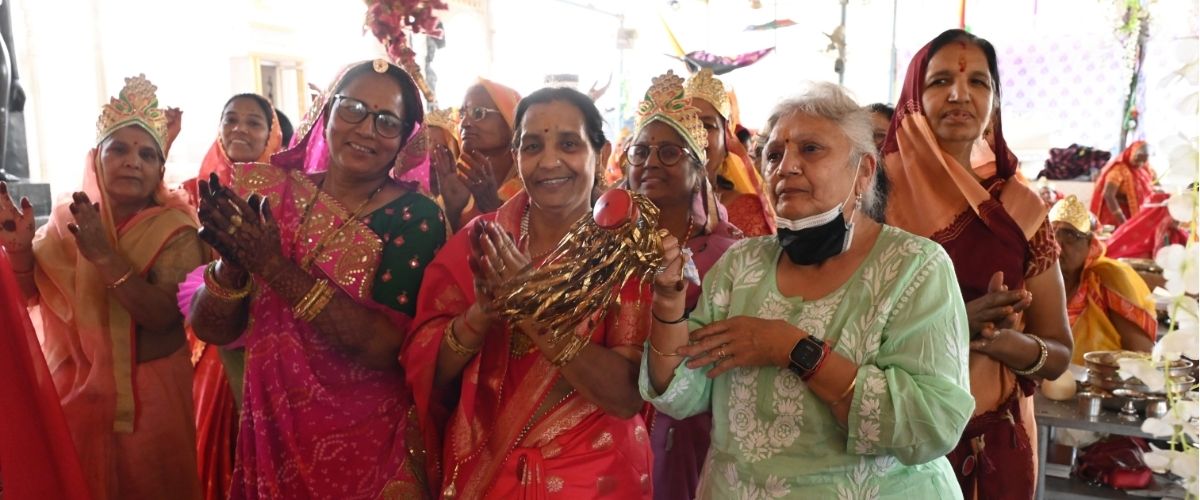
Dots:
pixel 315 423
pixel 493 445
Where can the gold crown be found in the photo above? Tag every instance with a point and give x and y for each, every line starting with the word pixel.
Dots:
pixel 665 101
pixel 704 85
pixel 137 104
pixel 1071 211
pixel 446 119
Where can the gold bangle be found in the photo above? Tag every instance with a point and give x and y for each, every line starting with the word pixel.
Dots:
pixel 658 352
pixel 1043 354
pixel 214 287
pixel 455 345
pixel 310 306
pixel 848 392
pixel 570 351
pixel 320 303
pixel 120 281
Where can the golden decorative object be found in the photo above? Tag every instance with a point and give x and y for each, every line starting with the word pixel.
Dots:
pixel 704 85
pixel 446 119
pixel 665 101
pixel 137 104
pixel 584 274
pixel 1071 211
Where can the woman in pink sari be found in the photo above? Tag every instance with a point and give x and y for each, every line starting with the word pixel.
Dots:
pixel 322 255
pixel 522 418
pixel 105 275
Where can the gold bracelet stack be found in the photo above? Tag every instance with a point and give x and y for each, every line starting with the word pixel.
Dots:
pixel 455 345
pixel 216 289
pixel 1042 355
pixel 570 350
pixel 314 301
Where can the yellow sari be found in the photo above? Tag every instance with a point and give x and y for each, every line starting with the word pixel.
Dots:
pixel 1107 286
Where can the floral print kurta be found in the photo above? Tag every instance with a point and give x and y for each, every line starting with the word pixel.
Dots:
pixel 900 317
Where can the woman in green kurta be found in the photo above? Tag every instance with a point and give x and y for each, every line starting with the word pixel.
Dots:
pixel 838 371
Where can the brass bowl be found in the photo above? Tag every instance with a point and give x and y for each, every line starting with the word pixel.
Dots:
pixel 1115 383
pixel 1104 363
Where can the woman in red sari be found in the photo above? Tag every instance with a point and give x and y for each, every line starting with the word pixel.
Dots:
pixel 1142 235
pixel 249 132
pixel 1006 260
pixel 730 171
pixel 522 418
pixel 1123 186
pixel 318 276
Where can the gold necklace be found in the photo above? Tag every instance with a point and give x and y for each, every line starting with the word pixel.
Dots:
pixel 306 262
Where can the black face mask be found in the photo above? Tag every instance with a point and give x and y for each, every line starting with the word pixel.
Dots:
pixel 815 244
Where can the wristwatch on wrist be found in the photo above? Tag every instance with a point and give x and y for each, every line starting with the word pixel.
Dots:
pixel 807 356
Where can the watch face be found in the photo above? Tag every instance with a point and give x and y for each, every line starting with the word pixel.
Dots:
pixel 807 353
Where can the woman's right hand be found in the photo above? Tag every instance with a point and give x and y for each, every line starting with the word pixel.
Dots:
pixel 16 225
pixel 243 232
pixel 481 180
pixel 452 188
pixel 999 309
pixel 668 281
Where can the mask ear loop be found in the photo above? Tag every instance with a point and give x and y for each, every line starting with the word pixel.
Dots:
pixel 857 206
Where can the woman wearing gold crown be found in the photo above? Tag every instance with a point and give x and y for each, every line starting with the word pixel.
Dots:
pixel 730 171
pixel 1108 304
pixel 831 356
pixel 666 162
pixel 322 254
pixel 105 270
pixel 523 417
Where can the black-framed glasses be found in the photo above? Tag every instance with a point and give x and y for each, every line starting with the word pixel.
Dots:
pixel 668 154
pixel 355 111
pixel 478 113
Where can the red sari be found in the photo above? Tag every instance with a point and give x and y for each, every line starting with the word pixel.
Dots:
pixel 1142 235
pixel 492 446
pixel 37 457
pixel 998 224
pixel 1134 186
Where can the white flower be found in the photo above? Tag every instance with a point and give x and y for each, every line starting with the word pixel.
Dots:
pixel 1179 269
pixel 1157 427
pixel 1143 370
pixel 1182 206
pixel 1183 341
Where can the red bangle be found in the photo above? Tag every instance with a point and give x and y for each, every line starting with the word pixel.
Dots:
pixel 824 356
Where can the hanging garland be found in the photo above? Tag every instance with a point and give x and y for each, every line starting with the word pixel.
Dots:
pixel 392 21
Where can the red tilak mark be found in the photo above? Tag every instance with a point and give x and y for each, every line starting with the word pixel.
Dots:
pixel 962 64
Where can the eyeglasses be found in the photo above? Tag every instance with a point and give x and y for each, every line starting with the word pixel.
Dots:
pixel 478 113
pixel 355 111
pixel 668 154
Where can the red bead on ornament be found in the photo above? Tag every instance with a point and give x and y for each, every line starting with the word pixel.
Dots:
pixel 614 209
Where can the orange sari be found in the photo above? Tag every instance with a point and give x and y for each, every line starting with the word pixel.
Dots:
pixel 1134 186
pixel 492 447
pixel 129 420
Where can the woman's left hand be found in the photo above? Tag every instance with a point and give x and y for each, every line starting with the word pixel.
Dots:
pixel 502 260
pixel 741 341
pixel 88 230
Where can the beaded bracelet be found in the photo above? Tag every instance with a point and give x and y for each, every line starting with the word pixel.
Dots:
pixel 1042 355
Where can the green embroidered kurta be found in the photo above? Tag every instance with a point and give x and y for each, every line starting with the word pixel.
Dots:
pixel 900 317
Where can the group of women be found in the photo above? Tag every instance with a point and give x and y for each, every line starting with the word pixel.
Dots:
pixel 883 342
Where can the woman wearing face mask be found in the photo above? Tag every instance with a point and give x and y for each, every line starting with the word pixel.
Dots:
pixel 831 356
pixel 318 277
pixel 665 162
pixel 1005 258
pixel 522 417
pixel 105 270
pixel 249 132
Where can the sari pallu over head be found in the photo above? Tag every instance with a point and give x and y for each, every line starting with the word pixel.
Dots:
pixel 89 336
pixel 315 423
pixel 216 160
pixel 985 227
pixel 1107 286
pixel 1136 184
pixel 489 441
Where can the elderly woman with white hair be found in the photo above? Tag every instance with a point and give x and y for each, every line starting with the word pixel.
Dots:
pixel 833 355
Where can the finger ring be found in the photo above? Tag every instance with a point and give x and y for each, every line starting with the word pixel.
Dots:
pixel 231 230
pixel 721 353
pixel 236 220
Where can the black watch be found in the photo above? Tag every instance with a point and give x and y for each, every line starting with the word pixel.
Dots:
pixel 806 356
